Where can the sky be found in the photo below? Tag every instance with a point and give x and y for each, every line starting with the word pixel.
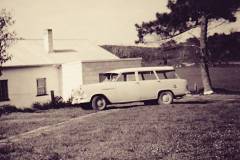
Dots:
pixel 99 21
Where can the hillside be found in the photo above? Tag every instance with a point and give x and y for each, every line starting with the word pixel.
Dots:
pixel 155 56
pixel 222 48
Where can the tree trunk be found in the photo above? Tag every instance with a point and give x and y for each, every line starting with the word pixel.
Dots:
pixel 207 86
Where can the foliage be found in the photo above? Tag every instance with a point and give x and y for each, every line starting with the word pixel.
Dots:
pixel 6 35
pixel 58 103
pixel 224 47
pixel 151 56
pixel 6 109
pixel 187 14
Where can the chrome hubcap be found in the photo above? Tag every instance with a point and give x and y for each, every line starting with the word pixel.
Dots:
pixel 101 103
pixel 166 98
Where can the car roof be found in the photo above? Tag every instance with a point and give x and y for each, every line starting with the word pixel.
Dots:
pixel 138 69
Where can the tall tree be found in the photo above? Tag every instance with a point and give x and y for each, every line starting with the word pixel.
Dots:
pixel 185 15
pixel 6 36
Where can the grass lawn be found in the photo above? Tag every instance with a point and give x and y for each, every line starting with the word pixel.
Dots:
pixel 193 128
pixel 16 123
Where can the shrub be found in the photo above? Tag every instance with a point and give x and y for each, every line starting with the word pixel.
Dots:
pixel 42 106
pixel 37 105
pixel 6 109
pixel 58 103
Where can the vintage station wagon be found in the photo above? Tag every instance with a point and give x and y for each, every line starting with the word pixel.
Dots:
pixel 158 85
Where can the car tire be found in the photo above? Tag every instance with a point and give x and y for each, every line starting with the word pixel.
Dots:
pixel 165 97
pixel 99 103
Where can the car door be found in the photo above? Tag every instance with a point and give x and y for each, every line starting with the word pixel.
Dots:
pixel 149 85
pixel 126 88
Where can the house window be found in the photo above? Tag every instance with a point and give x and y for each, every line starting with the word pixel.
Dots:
pixel 41 86
pixel 3 90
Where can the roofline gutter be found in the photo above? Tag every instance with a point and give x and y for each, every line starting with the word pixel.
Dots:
pixel 113 60
pixel 31 65
pixel 81 61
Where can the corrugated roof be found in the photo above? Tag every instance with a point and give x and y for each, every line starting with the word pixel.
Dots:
pixel 32 52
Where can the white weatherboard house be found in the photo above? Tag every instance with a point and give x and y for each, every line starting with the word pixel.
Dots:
pixel 38 67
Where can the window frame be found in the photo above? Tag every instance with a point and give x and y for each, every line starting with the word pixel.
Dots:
pixel 6 97
pixel 45 87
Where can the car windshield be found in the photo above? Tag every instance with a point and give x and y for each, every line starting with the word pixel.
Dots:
pixel 108 77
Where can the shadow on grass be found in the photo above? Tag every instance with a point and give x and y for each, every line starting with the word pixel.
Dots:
pixel 226 91
pixel 112 106
pixel 218 91
pixel 123 106
pixel 196 102
pixel 127 106
pixel 85 106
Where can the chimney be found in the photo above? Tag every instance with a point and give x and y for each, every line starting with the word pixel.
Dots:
pixel 48 40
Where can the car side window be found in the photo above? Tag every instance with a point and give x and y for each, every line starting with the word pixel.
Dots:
pixel 127 77
pixel 170 75
pixel 120 78
pixel 161 75
pixel 146 75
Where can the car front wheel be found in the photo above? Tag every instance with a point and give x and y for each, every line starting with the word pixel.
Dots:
pixel 99 103
pixel 165 97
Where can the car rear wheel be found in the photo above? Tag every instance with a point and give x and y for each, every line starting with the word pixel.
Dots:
pixel 99 103
pixel 165 97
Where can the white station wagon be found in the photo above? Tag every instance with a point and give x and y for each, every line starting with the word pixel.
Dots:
pixel 158 85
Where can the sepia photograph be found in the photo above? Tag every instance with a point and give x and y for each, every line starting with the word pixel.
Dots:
pixel 120 80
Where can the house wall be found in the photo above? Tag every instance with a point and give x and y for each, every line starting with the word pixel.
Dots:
pixel 22 85
pixel 71 78
pixel 91 69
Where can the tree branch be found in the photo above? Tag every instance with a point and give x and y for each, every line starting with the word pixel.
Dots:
pixel 173 36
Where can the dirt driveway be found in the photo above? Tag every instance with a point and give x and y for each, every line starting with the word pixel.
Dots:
pixel 197 127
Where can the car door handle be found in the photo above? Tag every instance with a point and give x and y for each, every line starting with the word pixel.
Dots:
pixel 108 88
